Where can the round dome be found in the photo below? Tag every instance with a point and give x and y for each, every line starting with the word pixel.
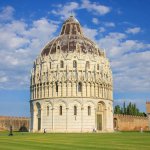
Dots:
pixel 70 39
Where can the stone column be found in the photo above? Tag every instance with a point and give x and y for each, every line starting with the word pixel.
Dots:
pixel 42 90
pixel 64 89
pixel 59 90
pixel 33 91
pixel 41 118
pixel 92 89
pixel 102 91
pixel 73 89
pixel 96 90
pixel 46 90
pixel 88 90
pixel 82 108
pixel 95 118
pixel 36 91
pixel 69 89
pixel 67 119
pixel 83 89
pixel 53 119
pixel 54 89
pixel 50 89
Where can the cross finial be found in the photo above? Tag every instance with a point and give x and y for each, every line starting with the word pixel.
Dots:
pixel 71 14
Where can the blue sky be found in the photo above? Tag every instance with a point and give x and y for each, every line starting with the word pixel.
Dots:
pixel 120 27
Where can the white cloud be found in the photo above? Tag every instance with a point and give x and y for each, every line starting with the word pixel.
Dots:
pixel 133 30
pixel 109 24
pixel 19 45
pixel 90 33
pixel 3 79
pixel 70 8
pixel 102 29
pixel 95 7
pixel 129 61
pixel 95 21
pixel 66 10
pixel 6 13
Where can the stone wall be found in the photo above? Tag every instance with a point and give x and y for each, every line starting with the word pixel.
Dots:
pixel 148 111
pixel 15 122
pixel 129 122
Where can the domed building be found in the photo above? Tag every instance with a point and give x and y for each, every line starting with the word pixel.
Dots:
pixel 71 85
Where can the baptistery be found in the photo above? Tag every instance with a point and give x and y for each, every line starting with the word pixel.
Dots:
pixel 71 85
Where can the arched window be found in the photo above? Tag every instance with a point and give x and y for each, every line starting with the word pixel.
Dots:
pixel 79 87
pixel 60 110
pixel 74 64
pixel 89 110
pixel 47 110
pixel 61 64
pixel 97 66
pixel 75 110
pixel 87 64
pixel 56 84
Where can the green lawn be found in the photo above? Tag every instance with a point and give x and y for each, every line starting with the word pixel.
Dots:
pixel 78 141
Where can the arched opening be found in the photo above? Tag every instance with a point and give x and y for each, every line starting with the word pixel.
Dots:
pixel 115 124
pixel 61 64
pixel 79 87
pixel 38 116
pixel 58 47
pixel 74 64
pixel 101 116
pixel 75 110
pixel 56 84
pixel 60 110
pixel 89 110
pixel 97 66
pixel 87 64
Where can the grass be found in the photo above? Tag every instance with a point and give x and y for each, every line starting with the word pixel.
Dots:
pixel 75 141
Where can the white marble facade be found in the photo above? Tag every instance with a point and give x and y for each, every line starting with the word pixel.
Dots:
pixel 71 85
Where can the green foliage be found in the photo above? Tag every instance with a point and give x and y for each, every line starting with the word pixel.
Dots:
pixel 130 109
pixel 23 128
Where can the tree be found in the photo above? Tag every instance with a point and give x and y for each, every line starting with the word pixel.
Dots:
pixel 117 109
pixel 131 109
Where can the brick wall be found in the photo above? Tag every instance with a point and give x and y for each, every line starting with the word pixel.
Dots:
pixel 15 122
pixel 129 122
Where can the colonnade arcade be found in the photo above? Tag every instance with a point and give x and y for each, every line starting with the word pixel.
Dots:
pixel 62 108
pixel 63 89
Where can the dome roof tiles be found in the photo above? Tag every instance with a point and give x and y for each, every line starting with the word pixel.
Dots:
pixel 71 39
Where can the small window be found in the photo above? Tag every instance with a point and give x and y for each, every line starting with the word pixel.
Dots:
pixel 89 111
pixel 79 87
pixel 87 64
pixel 60 110
pixel 74 64
pixel 97 66
pixel 61 64
pixel 56 84
pixel 47 110
pixel 75 110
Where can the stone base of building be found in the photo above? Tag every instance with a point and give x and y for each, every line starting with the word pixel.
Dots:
pixel 72 115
